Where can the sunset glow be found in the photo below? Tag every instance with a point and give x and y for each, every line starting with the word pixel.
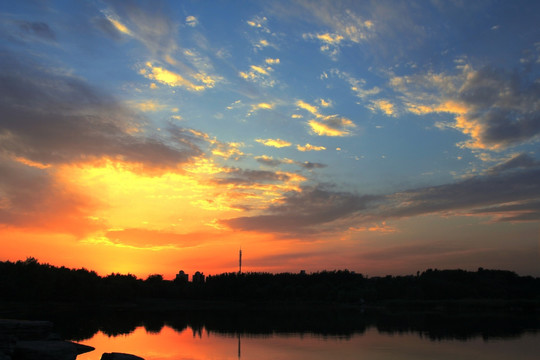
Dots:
pixel 382 137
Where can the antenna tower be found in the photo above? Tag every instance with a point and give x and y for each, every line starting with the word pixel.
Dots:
pixel 240 261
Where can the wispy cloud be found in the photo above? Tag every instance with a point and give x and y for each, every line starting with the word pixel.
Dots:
pixel 357 86
pixel 347 27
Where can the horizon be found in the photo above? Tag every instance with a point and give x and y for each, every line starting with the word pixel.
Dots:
pixel 382 137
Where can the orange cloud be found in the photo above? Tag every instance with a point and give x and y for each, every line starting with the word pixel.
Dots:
pixel 278 143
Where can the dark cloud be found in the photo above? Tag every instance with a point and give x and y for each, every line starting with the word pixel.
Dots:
pixel 522 161
pixel 268 161
pixel 465 196
pixel 505 105
pixel 310 166
pixel 37 29
pixel 305 211
pixel 51 117
pixel 246 176
pixel 17 31
pixel 521 211
pixel 506 196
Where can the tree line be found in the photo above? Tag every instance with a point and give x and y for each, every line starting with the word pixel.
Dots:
pixel 30 280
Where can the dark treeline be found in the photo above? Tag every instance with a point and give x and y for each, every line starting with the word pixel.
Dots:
pixel 31 281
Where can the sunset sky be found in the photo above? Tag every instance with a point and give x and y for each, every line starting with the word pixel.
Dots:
pixel 383 137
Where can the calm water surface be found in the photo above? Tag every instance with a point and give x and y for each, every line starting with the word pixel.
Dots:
pixel 371 344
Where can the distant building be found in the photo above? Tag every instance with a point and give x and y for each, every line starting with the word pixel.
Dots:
pixel 198 277
pixel 182 277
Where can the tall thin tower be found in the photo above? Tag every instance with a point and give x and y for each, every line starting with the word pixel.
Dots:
pixel 240 261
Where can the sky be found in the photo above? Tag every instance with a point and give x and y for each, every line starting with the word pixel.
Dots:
pixel 382 137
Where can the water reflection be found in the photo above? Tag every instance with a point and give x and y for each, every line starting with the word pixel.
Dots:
pixel 343 324
pixel 203 345
pixel 83 323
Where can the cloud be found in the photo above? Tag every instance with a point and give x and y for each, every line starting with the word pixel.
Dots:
pixel 326 125
pixel 39 30
pixel 278 143
pixel 518 161
pixel 32 198
pixel 192 21
pixel 325 103
pixel 271 61
pixel 309 147
pixel 260 74
pixel 468 196
pixel 331 125
pixel 259 23
pixel 268 160
pixel 330 42
pixel 261 44
pixel 310 165
pixel 148 106
pixel 383 106
pixel 250 177
pixel 148 23
pixel 494 108
pixel 310 108
pixel 510 195
pixel 173 79
pixel 260 106
pixel 118 26
pixel 358 86
pixel 347 27
pixel 54 118
pixel 15 30
pixel 303 212
pixel 227 150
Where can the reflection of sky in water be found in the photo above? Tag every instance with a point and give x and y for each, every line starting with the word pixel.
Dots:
pixel 189 345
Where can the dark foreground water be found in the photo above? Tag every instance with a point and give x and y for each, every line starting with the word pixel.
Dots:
pixel 299 334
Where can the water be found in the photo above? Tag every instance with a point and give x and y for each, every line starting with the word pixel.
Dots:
pixel 371 344
pixel 316 335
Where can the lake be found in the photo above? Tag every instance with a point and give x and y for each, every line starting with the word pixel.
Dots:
pixel 372 344
pixel 317 335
